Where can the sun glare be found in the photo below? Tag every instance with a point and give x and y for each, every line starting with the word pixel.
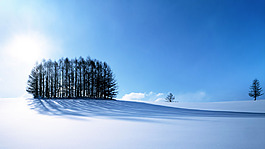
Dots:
pixel 27 48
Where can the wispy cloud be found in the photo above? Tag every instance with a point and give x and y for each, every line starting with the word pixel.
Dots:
pixel 151 96
pixel 133 96
pixel 159 94
pixel 192 96
pixel 198 96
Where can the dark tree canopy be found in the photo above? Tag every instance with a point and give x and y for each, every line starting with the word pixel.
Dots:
pixel 255 89
pixel 72 78
pixel 170 97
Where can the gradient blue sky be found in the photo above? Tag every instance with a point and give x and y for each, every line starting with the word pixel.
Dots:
pixel 200 50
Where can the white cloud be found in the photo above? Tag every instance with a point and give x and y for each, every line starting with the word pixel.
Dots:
pixel 194 97
pixel 151 96
pixel 133 96
pixel 160 97
pixel 159 94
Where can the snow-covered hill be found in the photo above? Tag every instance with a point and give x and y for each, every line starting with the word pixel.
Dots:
pixel 31 123
pixel 237 106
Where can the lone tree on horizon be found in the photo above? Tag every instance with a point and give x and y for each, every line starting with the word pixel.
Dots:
pixel 255 89
pixel 170 97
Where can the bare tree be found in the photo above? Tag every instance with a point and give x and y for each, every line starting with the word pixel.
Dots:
pixel 170 97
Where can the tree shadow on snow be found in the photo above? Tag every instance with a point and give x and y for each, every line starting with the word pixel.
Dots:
pixel 125 110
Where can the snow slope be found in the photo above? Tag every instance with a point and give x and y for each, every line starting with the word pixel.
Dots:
pixel 28 123
pixel 237 106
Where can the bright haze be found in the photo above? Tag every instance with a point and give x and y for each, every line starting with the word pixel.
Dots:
pixel 198 50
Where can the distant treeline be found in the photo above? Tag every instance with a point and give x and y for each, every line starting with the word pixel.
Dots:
pixel 75 78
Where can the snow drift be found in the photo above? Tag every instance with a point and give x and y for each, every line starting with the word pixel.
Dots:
pixel 124 109
pixel 105 124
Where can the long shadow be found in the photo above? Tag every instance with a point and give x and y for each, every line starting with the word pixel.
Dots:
pixel 126 110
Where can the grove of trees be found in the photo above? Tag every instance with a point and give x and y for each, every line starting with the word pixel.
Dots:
pixel 72 78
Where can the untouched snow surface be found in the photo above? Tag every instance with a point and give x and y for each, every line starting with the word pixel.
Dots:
pixel 104 124
pixel 238 106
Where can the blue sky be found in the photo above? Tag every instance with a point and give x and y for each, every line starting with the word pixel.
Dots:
pixel 199 50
